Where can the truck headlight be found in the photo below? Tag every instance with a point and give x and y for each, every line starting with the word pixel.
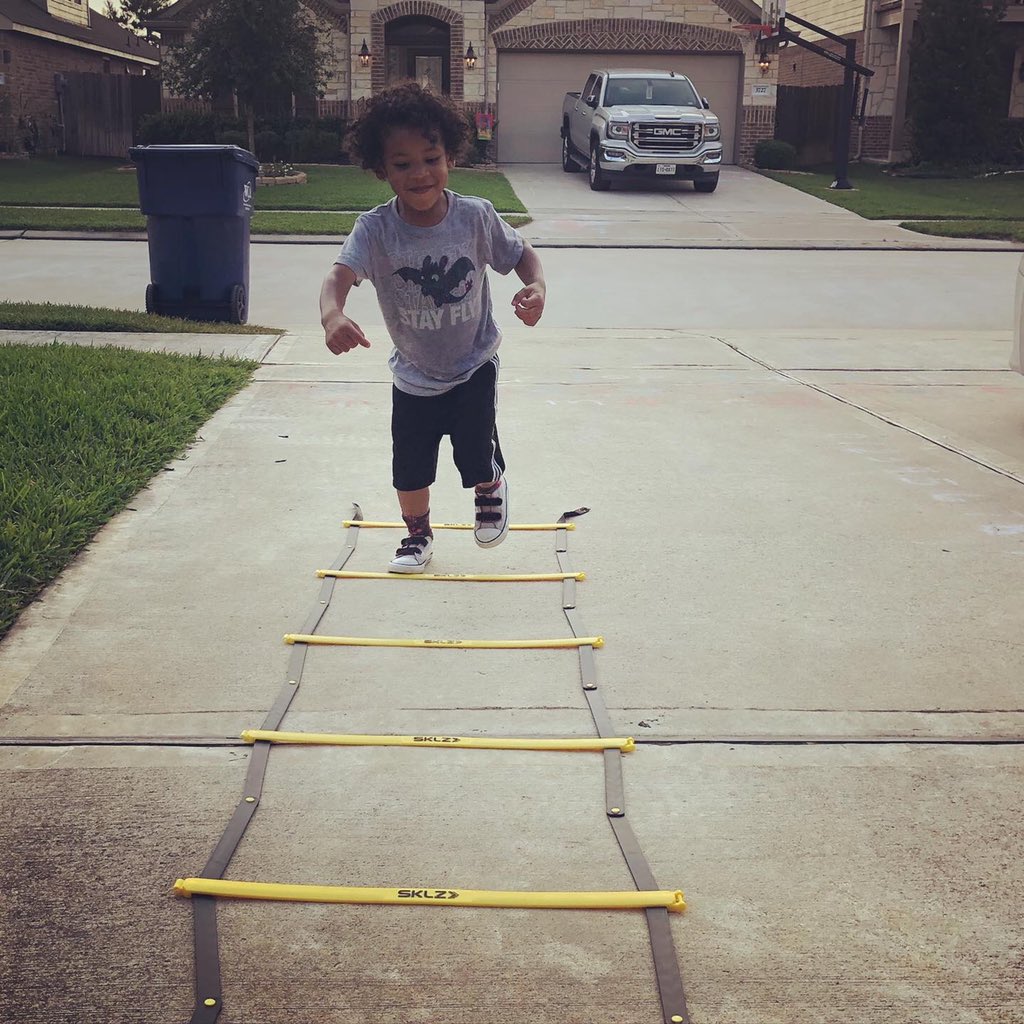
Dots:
pixel 712 130
pixel 618 129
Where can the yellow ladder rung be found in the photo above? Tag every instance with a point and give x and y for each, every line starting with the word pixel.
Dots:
pixel 435 897
pixel 368 524
pixel 625 744
pixel 535 577
pixel 477 645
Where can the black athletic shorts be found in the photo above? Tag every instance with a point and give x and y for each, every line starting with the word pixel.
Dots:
pixel 466 414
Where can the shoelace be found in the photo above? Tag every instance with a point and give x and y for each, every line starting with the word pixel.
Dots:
pixel 411 546
pixel 483 502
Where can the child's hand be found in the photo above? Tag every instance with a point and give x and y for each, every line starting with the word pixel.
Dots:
pixel 529 303
pixel 343 334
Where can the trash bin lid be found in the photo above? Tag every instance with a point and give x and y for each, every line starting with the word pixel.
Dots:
pixel 138 153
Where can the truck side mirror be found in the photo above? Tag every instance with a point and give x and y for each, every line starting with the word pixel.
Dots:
pixel 592 101
pixel 704 99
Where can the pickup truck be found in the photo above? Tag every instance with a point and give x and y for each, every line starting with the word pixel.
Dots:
pixel 641 122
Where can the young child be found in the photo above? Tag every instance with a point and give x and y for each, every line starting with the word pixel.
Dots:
pixel 426 253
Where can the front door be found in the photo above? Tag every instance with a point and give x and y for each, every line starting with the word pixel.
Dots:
pixel 419 49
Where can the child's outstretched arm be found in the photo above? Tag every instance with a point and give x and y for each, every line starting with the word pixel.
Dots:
pixel 341 333
pixel 529 301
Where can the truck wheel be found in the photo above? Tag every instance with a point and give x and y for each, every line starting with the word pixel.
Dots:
pixel 568 164
pixel 598 181
pixel 708 184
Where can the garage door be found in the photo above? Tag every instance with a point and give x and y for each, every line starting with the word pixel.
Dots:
pixel 531 87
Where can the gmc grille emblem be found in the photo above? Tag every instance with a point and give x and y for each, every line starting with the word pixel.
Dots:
pixel 668 131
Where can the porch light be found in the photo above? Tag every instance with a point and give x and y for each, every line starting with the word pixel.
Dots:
pixel 364 55
pixel 764 61
pixel 470 57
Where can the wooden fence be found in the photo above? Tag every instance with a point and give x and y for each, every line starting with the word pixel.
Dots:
pixel 100 112
pixel 806 119
pixel 345 109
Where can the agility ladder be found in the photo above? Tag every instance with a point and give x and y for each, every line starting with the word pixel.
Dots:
pixel 210 885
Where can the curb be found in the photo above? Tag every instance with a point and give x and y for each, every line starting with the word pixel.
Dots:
pixel 980 245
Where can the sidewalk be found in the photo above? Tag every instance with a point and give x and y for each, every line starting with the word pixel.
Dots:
pixel 800 555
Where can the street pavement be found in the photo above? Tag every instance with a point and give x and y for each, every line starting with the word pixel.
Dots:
pixel 803 553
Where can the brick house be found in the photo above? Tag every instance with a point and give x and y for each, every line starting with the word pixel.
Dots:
pixel 43 38
pixel 883 30
pixel 517 58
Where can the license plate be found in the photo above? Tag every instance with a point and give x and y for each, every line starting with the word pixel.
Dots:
pixel 664 168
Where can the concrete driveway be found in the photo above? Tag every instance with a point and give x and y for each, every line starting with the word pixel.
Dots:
pixel 748 210
pixel 804 555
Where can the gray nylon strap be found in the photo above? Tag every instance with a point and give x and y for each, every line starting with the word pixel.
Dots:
pixel 204 908
pixel 208 994
pixel 666 963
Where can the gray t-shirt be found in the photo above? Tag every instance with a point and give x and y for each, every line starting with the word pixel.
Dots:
pixel 432 287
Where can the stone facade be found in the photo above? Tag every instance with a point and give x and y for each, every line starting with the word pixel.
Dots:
pixel 569 26
pixel 639 26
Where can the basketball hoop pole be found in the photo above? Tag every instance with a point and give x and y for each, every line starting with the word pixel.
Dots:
pixel 850 69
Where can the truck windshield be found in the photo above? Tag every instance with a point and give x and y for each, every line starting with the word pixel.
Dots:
pixel 656 92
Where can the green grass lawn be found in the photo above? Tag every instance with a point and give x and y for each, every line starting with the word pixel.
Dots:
pixel 52 316
pixel 1005 230
pixel 880 196
pixel 92 181
pixel 81 431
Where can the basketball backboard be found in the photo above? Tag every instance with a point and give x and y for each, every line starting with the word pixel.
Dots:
pixel 771 12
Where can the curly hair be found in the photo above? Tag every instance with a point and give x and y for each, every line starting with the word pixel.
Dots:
pixel 407 105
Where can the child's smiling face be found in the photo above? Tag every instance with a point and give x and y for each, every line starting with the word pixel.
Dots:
pixel 417 167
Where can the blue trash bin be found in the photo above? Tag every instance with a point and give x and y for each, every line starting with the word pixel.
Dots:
pixel 198 202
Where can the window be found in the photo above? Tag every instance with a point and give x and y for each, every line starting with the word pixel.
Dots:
pixel 655 92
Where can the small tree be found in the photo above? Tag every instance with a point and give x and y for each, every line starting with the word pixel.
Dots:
pixel 256 48
pixel 130 14
pixel 955 84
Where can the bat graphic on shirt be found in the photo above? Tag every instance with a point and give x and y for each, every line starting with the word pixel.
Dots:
pixel 438 281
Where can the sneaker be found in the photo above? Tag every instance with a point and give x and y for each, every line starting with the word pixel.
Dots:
pixel 492 516
pixel 412 555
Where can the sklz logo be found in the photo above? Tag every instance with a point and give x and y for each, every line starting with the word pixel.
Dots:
pixel 427 894
pixel 667 131
pixel 436 739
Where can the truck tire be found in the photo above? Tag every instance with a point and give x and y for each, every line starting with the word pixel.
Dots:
pixel 708 184
pixel 598 181
pixel 568 164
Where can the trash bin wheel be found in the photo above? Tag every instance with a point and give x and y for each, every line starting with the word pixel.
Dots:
pixel 151 298
pixel 236 304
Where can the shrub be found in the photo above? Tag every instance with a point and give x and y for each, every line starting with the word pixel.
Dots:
pixel 269 146
pixel 775 155
pixel 309 144
pixel 277 138
pixel 180 128
pixel 233 138
pixel 1008 144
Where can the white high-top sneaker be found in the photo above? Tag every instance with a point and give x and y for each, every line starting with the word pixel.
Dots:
pixel 491 516
pixel 412 555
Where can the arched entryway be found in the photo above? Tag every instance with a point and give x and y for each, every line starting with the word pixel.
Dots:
pixel 417 28
pixel 417 47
